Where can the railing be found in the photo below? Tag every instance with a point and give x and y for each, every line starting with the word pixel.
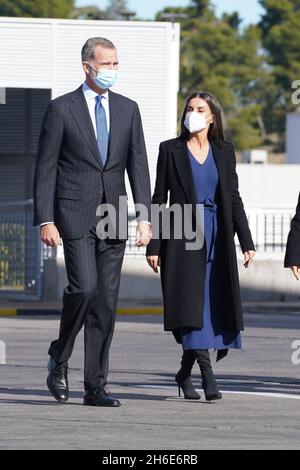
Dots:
pixel 22 254
pixel 21 257
pixel 269 228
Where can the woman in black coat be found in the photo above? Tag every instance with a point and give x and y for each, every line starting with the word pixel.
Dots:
pixel 292 253
pixel 200 285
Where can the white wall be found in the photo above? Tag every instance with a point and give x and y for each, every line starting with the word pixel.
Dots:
pixel 45 53
pixel 269 186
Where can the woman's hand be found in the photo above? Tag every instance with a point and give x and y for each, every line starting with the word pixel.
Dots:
pixel 248 258
pixel 153 262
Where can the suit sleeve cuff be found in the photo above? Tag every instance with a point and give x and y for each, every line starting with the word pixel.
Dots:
pixel 45 223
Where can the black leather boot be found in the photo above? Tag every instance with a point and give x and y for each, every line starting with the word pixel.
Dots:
pixel 183 376
pixel 209 383
pixel 57 380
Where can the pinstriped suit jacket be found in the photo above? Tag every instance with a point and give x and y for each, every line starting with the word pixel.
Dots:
pixel 69 178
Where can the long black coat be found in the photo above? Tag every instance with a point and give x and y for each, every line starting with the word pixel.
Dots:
pixel 292 254
pixel 183 271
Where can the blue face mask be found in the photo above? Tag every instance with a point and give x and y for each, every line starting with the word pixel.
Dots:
pixel 105 78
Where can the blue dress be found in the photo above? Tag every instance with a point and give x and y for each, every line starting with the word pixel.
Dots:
pixel 206 179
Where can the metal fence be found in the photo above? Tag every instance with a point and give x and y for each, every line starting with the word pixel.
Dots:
pixel 22 254
pixel 270 228
pixel 21 257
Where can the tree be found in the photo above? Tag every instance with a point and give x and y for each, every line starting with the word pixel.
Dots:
pixel 115 9
pixel 280 26
pixel 37 9
pixel 233 19
pixel 200 7
pixel 89 13
pixel 217 56
pixel 277 12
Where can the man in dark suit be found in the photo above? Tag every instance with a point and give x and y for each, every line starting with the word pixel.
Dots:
pixel 89 137
pixel 292 254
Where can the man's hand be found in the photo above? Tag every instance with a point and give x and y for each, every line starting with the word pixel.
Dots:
pixel 248 258
pixel 153 262
pixel 143 234
pixel 296 271
pixel 50 235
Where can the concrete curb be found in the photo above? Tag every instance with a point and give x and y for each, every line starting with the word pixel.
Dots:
pixel 248 307
pixel 44 311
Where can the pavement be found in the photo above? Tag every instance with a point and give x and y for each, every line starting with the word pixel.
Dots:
pixel 260 408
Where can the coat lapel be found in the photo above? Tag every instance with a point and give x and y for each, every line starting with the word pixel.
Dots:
pixel 81 114
pixel 220 155
pixel 181 158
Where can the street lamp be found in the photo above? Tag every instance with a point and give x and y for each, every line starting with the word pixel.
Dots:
pixel 127 14
pixel 173 17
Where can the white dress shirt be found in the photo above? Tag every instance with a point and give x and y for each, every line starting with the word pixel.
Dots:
pixel 90 96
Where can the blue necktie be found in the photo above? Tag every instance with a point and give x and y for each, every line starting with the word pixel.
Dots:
pixel 101 126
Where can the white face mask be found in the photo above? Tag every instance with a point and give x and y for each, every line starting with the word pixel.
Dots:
pixel 195 122
pixel 105 78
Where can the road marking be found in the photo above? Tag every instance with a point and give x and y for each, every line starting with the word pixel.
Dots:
pixel 233 392
pixel 2 352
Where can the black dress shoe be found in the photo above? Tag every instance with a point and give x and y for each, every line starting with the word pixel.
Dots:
pixel 99 397
pixel 57 380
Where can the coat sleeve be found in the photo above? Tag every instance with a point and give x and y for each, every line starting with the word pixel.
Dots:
pixel 292 254
pixel 239 218
pixel 160 196
pixel 44 182
pixel 137 167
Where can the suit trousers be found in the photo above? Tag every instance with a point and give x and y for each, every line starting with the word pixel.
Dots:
pixel 94 269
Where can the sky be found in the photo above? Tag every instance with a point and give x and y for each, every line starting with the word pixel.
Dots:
pixel 249 10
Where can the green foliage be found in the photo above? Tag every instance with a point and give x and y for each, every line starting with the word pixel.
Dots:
pixel 115 9
pixel 280 26
pixel 88 13
pixel 250 70
pixel 243 128
pixel 37 9
pixel 217 57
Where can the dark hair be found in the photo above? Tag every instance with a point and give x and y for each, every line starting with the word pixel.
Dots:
pixel 215 131
pixel 88 49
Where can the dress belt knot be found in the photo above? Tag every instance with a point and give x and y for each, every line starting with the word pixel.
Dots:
pixel 211 208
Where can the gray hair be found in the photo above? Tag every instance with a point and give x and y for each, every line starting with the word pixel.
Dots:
pixel 88 50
